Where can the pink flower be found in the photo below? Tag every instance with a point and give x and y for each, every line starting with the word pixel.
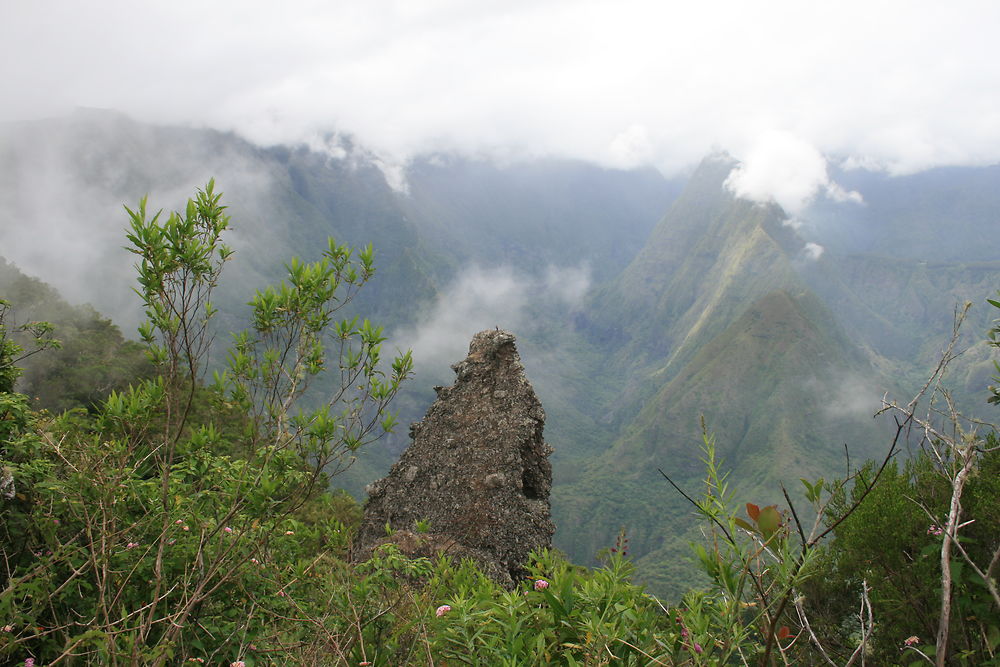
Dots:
pixel 910 641
pixel 289 532
pixel 179 522
pixel 934 529
pixel 684 633
pixel 697 648
pixel 8 628
pixel 541 585
pixel 442 610
pixel 131 545
pixel 282 594
pixel 29 662
pixel 238 663
pixel 227 529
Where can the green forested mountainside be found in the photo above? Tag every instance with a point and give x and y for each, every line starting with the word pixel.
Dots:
pixel 285 201
pixel 213 517
pixel 93 358
pixel 663 336
pixel 531 214
pixel 724 314
pixel 707 260
pixel 899 306
pixel 782 390
pixel 947 214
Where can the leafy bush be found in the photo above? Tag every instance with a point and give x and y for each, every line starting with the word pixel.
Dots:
pixel 158 530
pixel 183 523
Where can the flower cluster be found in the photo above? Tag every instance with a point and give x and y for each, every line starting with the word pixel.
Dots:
pixel 694 646
pixel 541 585
pixel 934 529
pixel 621 544
pixel 442 610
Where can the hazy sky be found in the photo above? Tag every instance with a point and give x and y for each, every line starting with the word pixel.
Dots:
pixel 896 85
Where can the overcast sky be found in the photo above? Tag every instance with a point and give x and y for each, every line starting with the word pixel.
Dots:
pixel 895 85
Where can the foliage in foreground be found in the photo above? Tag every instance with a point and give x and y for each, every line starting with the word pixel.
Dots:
pixel 183 524
pixel 156 527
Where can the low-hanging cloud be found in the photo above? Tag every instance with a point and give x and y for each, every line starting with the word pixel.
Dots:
pixel 813 251
pixel 483 298
pixel 893 85
pixel 64 185
pixel 788 171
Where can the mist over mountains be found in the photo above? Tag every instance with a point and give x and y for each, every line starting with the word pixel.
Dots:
pixel 641 303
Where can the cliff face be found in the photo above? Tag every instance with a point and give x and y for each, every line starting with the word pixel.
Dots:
pixel 477 470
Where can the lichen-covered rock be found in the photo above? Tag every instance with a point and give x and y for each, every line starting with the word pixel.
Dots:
pixel 477 471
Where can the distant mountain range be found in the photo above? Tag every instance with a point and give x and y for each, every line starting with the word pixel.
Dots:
pixel 783 334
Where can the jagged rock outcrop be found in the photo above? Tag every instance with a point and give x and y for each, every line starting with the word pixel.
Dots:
pixel 477 470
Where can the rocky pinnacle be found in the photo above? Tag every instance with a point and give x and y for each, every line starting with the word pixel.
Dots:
pixel 476 472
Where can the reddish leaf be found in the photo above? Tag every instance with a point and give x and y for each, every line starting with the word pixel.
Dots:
pixel 753 511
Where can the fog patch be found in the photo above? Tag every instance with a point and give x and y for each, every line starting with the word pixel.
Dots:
pixel 331 144
pixel 631 148
pixel 394 173
pixel 484 298
pixel 64 185
pixel 812 251
pixel 847 396
pixel 567 284
pixel 783 169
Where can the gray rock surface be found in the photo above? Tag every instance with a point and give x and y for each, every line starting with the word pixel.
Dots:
pixel 477 470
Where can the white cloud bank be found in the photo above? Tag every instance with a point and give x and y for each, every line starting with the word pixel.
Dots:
pixel 900 85
pixel 788 171
pixel 481 299
pixel 813 251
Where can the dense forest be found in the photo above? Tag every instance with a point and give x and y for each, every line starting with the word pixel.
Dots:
pixel 167 504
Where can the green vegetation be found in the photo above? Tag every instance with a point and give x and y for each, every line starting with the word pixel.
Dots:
pixel 92 358
pixel 166 521
pixel 154 527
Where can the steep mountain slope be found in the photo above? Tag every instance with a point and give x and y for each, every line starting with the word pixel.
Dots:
pixel 530 214
pixel 706 261
pixel 781 389
pixel 713 318
pixel 948 214
pixel 900 307
pixel 725 314
pixel 63 182
pixel 92 358
pixel 717 310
